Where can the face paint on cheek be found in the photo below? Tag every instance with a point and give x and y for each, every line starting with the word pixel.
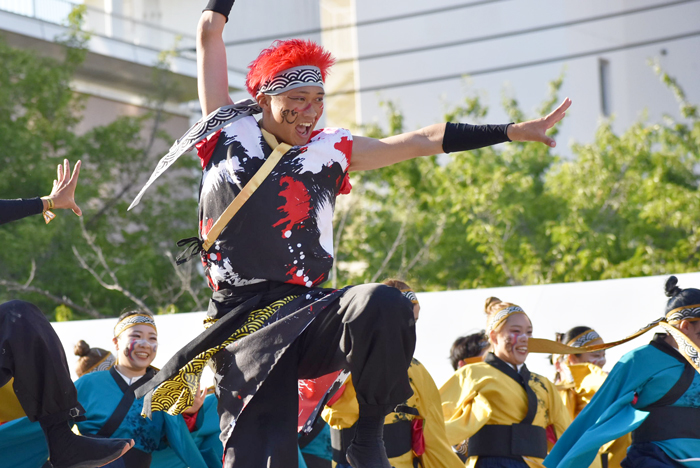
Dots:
pixel 600 362
pixel 517 339
pixel 290 116
pixel 511 341
pixel 129 350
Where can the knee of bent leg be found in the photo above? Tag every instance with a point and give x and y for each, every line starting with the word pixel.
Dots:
pixel 389 306
pixel 18 311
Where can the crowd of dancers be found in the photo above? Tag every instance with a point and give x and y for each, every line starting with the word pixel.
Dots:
pixel 307 375
pixel 492 412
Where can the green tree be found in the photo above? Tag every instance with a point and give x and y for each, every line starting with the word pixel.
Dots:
pixel 110 259
pixel 623 205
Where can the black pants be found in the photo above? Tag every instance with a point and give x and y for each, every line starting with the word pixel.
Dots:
pixel 370 330
pixel 31 352
pixel 648 455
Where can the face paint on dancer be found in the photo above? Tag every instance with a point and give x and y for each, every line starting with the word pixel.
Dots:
pixel 293 115
pixel 510 340
pixel 136 348
pixel 579 337
pixel 596 358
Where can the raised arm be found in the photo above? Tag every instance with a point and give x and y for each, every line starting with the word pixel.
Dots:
pixel 212 70
pixel 370 153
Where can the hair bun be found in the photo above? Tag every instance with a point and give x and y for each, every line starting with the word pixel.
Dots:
pixel 671 286
pixel 81 348
pixel 490 302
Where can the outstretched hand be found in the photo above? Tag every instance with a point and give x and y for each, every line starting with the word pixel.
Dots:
pixel 535 130
pixel 198 401
pixel 63 192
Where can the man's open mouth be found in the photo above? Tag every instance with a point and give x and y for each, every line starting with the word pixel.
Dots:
pixel 304 129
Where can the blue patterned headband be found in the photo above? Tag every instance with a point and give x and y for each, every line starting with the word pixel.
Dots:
pixel 501 316
pixel 689 312
pixel 132 321
pixel 291 78
pixel 583 339
pixel 410 295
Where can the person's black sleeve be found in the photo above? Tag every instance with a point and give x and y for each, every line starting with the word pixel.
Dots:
pixel 220 6
pixel 465 137
pixel 12 210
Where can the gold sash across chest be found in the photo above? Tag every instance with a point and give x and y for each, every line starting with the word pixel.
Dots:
pixel 279 150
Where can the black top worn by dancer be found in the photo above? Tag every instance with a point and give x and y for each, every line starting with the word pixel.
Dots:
pixel 32 354
pixel 270 322
pixel 12 210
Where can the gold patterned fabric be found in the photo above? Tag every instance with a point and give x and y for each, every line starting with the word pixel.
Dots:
pixel 686 347
pixel 106 363
pixel 176 394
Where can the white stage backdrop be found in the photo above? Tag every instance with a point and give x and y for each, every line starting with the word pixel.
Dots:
pixel 615 308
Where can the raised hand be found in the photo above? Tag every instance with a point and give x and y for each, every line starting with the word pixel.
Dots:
pixel 535 130
pixel 198 401
pixel 63 192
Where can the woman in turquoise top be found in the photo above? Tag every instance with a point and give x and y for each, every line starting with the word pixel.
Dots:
pixel 653 392
pixel 205 432
pixel 102 393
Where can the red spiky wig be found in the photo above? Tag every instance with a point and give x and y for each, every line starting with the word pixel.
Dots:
pixel 282 55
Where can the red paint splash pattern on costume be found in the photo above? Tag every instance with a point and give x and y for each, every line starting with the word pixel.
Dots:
pixel 205 229
pixel 297 205
pixel 345 147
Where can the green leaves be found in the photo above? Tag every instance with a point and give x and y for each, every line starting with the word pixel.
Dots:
pixel 39 115
pixel 624 205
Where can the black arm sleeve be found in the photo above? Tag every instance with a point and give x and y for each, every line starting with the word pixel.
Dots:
pixel 12 210
pixel 465 137
pixel 220 6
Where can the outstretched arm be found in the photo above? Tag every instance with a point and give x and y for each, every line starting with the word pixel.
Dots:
pixel 62 196
pixel 370 153
pixel 212 70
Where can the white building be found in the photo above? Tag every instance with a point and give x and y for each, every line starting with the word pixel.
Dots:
pixel 602 46
pixel 413 53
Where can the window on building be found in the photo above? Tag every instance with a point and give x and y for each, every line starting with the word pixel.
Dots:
pixel 604 78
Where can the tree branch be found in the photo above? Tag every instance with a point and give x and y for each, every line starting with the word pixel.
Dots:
pixel 185 276
pixel 115 286
pixel 391 251
pixel 26 287
pixel 431 240
pixel 138 173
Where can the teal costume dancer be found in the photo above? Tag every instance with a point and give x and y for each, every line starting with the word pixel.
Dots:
pixel 23 445
pixel 206 436
pixel 101 392
pixel 653 392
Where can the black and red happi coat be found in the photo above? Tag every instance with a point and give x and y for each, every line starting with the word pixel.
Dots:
pixel 284 232
pixel 282 235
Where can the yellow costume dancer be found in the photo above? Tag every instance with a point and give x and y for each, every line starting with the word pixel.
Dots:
pixel 502 408
pixel 10 409
pixel 342 414
pixel 579 376
pixel 414 437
